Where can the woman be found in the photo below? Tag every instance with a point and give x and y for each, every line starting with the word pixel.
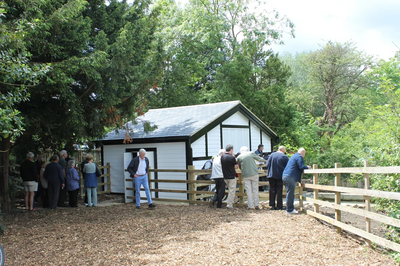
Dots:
pixel 44 184
pixel 72 183
pixel 89 170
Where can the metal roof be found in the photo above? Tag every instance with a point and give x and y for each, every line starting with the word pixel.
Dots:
pixel 173 122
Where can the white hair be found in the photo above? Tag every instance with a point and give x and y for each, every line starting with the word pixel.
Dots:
pixel 244 149
pixel 142 151
pixel 282 148
pixel 63 152
pixel 302 151
pixel 30 155
pixel 221 152
pixel 71 163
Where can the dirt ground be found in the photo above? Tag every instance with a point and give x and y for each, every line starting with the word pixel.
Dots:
pixel 177 235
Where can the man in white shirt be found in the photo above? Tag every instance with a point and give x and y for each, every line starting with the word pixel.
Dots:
pixel 218 177
pixel 139 169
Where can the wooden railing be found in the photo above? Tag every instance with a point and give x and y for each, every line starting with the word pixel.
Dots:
pixel 193 194
pixel 105 187
pixel 367 193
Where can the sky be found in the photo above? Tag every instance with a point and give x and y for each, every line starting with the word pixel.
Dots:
pixel 371 24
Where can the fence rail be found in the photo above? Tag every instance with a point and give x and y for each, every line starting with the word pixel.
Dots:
pixel 367 193
pixel 193 194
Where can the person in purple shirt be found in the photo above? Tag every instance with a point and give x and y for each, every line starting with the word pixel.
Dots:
pixel 292 174
pixel 72 183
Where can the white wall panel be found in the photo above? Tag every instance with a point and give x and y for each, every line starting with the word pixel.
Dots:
pixel 266 141
pixel 214 141
pixel 238 137
pixel 237 119
pixel 199 147
pixel 255 137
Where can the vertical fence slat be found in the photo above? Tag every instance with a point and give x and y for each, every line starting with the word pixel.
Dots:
pixel 241 188
pixel 367 203
pixel 109 177
pixel 192 177
pixel 301 196
pixel 315 182
pixel 338 199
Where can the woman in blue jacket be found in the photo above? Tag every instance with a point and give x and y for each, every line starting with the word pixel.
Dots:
pixel 72 183
pixel 89 171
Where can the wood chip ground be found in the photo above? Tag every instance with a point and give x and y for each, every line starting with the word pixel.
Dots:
pixel 177 235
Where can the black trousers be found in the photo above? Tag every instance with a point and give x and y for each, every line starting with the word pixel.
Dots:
pixel 45 201
pixel 63 196
pixel 73 197
pixel 54 193
pixel 275 192
pixel 220 191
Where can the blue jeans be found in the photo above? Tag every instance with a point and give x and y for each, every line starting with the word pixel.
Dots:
pixel 91 191
pixel 290 184
pixel 142 180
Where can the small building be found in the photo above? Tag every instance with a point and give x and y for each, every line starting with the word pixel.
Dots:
pixel 186 135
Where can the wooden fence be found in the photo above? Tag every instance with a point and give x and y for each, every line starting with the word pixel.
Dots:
pixel 193 194
pixel 366 192
pixel 104 185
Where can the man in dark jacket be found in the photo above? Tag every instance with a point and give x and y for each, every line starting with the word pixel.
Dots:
pixel 229 164
pixel 54 175
pixel 292 174
pixel 276 163
pixel 30 179
pixel 139 170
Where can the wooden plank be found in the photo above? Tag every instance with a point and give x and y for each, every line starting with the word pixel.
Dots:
pixel 103 192
pixel 357 191
pixel 367 202
pixel 375 216
pixel 338 199
pixel 102 166
pixel 191 177
pixel 356 170
pixel 315 182
pixel 378 240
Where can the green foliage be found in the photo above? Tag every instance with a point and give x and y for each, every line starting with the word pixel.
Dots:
pixel 103 65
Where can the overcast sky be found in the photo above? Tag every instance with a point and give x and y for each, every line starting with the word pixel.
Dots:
pixel 373 25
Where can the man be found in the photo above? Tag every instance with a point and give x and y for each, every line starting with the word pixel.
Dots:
pixel 291 175
pixel 229 164
pixel 247 163
pixel 276 163
pixel 139 170
pixel 260 150
pixel 30 177
pixel 54 175
pixel 218 177
pixel 63 191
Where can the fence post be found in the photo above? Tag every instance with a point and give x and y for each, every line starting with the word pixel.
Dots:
pixel 338 199
pixel 241 188
pixel 367 203
pixel 301 195
pixel 315 182
pixel 191 186
pixel 109 177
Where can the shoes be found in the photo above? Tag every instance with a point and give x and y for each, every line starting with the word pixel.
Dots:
pixel 152 205
pixel 231 208
pixel 212 203
pixel 257 208
pixel 292 212
pixel 278 209
pixel 250 208
pixel 88 205
pixel 138 207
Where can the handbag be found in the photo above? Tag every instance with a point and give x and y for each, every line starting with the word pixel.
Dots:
pixel 98 172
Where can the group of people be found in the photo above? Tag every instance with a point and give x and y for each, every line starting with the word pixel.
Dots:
pixel 53 181
pixel 280 171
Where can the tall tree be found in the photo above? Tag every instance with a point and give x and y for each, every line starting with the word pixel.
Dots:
pixel 18 77
pixel 102 65
pixel 335 74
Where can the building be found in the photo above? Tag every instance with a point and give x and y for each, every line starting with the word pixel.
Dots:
pixel 186 135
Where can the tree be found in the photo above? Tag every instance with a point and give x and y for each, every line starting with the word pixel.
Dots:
pixel 103 65
pixel 18 75
pixel 335 73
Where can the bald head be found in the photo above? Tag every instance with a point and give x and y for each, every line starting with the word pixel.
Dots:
pixel 282 149
pixel 302 152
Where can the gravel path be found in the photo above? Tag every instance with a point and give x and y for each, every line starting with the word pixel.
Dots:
pixel 177 235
